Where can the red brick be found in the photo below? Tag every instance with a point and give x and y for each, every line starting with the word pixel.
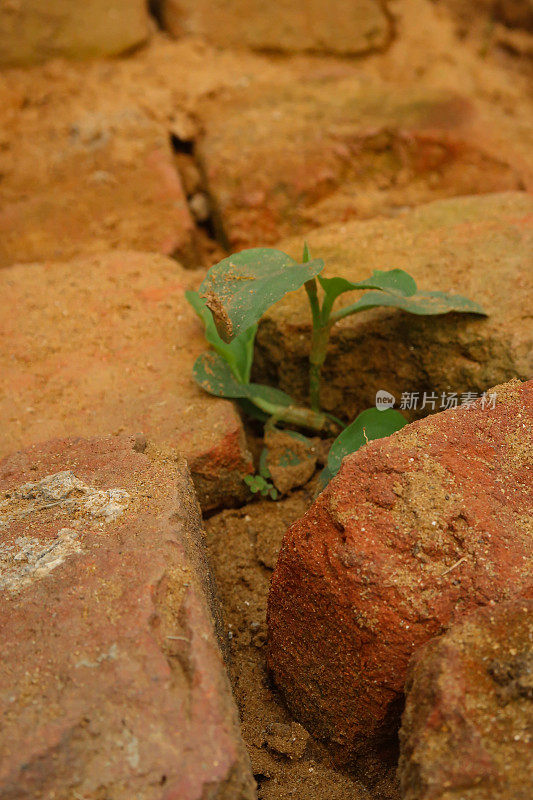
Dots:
pixel 112 681
pixel 468 721
pixel 415 531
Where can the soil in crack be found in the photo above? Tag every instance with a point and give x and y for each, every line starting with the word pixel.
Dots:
pixel 243 545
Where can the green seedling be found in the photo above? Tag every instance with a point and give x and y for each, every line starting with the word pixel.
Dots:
pixel 225 372
pixel 261 483
pixel 370 424
pixel 238 290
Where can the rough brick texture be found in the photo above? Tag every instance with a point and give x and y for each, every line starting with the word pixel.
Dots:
pixel 467 728
pixel 112 681
pixel 415 531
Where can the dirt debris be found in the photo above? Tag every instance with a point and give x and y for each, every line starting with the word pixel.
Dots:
pixel 287 740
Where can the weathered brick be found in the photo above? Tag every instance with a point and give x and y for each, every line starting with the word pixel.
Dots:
pixel 467 726
pixel 112 680
pixel 106 344
pixel 415 531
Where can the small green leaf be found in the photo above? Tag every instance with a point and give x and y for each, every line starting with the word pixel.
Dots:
pixel 258 485
pixel 422 303
pixel 444 303
pixel 240 288
pixel 393 281
pixel 213 374
pixel 239 353
pixel 255 483
pixel 370 424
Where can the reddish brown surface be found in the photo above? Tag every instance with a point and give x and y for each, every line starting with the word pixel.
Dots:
pixel 329 149
pixel 112 682
pixel 86 157
pixel 287 144
pixel 106 344
pixel 324 142
pixel 467 729
pixel 104 179
pixel 413 532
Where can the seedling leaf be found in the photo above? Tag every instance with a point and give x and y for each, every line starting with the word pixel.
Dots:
pixel 370 424
pixel 239 353
pixel 213 374
pixel 240 288
pixel 422 304
pixel 393 281
pixel 258 484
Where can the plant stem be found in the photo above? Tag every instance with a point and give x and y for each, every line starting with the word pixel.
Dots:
pixel 327 305
pixel 296 415
pixel 319 343
pixel 314 386
pixel 317 356
pixel 312 294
